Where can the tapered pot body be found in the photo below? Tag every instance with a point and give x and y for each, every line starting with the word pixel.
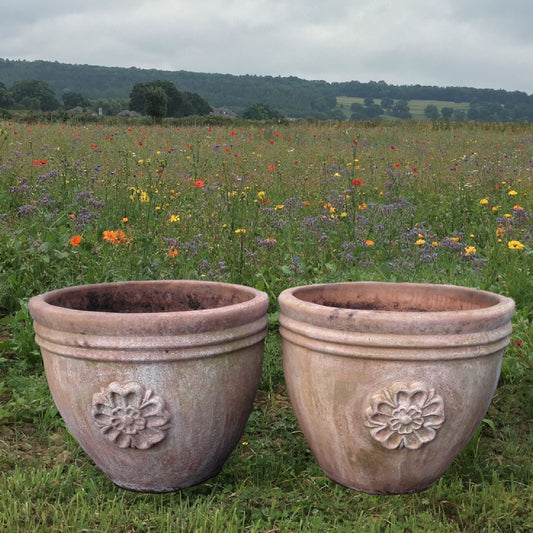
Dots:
pixel 155 379
pixel 389 381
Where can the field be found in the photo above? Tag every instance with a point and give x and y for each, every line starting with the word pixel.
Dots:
pixel 416 107
pixel 270 206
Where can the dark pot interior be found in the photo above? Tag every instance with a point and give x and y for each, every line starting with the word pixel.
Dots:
pixel 146 297
pixel 396 297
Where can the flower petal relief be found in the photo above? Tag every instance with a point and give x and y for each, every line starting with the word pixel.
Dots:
pixel 405 416
pixel 130 416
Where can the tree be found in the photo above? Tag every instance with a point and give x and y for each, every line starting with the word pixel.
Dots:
pixel 260 112
pixel 179 104
pixel 447 113
pixel 401 109
pixel 72 99
pixel 155 102
pixel 6 98
pixel 367 112
pixel 387 103
pixel 459 115
pixel 35 89
pixel 432 112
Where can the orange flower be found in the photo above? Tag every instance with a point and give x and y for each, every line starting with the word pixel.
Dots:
pixel 172 252
pixel 75 241
pixel 115 237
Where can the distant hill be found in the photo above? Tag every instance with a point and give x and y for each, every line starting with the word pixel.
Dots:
pixel 290 96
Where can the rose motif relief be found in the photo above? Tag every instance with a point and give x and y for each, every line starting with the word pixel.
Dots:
pixel 130 416
pixel 405 416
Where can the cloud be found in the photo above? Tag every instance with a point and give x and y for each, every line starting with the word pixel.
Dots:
pixel 479 43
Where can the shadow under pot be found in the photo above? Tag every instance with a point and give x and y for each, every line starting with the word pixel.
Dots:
pixel 389 381
pixel 155 379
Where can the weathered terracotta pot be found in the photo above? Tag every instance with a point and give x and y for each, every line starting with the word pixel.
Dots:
pixel 155 379
pixel 389 381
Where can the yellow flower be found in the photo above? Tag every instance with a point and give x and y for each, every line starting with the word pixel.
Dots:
pixel 512 193
pixel 484 201
pixel 515 245
pixel 435 243
pixel 261 194
pixel 143 197
pixel 240 231
pixel 420 242
pixel 174 218
pixel 500 231
pixel 279 207
pixel 470 250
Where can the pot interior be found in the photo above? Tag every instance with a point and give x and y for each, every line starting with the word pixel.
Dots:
pixel 396 297
pixel 146 297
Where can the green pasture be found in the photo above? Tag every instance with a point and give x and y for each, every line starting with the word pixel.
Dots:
pixel 416 107
pixel 270 206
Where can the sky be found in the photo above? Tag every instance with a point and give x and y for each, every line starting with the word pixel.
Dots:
pixel 471 43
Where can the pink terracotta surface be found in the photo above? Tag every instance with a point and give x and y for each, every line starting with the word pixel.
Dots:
pixel 154 379
pixel 389 381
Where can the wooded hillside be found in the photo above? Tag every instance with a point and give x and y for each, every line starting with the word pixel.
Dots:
pixel 290 96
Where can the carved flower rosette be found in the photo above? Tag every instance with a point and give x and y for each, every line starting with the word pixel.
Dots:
pixel 130 416
pixel 405 416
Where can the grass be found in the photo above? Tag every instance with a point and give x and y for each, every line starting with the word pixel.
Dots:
pixel 269 206
pixel 416 107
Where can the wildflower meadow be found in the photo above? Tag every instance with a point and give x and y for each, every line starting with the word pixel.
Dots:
pixel 269 205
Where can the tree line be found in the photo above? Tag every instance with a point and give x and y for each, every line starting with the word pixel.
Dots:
pixel 157 99
pixel 112 87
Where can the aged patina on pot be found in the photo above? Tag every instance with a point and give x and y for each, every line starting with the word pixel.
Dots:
pixel 155 379
pixel 389 381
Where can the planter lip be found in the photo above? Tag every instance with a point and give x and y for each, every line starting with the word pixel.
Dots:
pixel 476 309
pixel 253 306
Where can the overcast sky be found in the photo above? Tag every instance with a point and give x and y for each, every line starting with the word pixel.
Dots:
pixel 473 43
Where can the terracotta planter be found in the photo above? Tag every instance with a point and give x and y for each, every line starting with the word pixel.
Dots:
pixel 390 381
pixel 155 379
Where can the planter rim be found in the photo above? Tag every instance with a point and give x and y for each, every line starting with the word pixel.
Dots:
pixel 475 309
pixel 251 304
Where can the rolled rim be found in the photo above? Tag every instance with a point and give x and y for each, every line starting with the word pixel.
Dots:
pixel 401 308
pixel 232 305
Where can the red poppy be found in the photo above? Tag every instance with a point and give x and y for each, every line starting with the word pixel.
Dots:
pixel 357 182
pixel 199 184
